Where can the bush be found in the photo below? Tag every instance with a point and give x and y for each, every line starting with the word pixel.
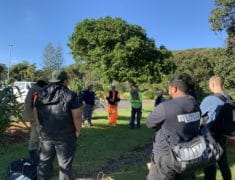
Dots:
pixel 9 107
pixel 148 94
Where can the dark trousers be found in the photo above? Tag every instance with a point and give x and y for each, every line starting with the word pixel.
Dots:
pixel 135 112
pixel 162 169
pixel 87 113
pixel 64 150
pixel 210 171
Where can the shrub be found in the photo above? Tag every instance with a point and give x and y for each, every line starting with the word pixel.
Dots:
pixel 9 108
pixel 148 94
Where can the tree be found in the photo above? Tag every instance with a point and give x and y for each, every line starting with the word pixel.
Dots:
pixel 118 51
pixel 53 57
pixel 23 72
pixel 3 69
pixel 223 18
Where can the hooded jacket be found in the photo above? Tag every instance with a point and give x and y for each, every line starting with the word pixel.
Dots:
pixel 54 104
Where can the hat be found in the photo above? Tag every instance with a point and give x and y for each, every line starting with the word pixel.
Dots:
pixel 58 76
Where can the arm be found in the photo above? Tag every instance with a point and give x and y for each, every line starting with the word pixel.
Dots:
pixel 156 117
pixel 77 120
pixel 35 114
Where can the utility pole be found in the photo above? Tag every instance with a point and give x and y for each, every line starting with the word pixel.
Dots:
pixel 9 65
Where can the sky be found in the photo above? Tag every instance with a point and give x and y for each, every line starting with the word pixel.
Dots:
pixel 29 25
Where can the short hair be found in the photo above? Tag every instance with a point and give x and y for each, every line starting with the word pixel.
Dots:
pixel 183 82
pixel 218 80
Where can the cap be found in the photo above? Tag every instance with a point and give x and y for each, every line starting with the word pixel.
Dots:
pixel 58 76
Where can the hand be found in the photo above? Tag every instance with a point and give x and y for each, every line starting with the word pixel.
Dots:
pixel 77 134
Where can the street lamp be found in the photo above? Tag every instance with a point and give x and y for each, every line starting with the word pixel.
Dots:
pixel 8 72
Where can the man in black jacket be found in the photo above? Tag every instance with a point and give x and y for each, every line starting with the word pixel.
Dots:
pixel 57 110
pixel 178 121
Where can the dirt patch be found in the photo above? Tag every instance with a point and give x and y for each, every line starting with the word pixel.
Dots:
pixel 13 135
pixel 138 154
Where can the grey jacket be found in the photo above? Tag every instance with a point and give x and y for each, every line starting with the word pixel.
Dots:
pixel 28 106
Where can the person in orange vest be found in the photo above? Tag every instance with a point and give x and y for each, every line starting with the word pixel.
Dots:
pixel 113 98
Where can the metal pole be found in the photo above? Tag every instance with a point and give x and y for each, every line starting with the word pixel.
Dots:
pixel 9 65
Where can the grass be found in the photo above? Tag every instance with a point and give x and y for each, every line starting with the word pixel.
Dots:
pixel 101 146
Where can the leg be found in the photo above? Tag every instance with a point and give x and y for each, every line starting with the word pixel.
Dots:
pixel 210 172
pixel 223 162
pixel 132 121
pixel 45 166
pixel 34 143
pixel 89 114
pixel 161 168
pixel 34 137
pixel 65 152
pixel 139 114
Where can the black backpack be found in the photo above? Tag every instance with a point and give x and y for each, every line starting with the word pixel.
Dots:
pixel 224 123
pixel 22 169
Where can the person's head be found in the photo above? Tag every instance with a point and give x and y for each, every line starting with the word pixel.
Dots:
pixel 59 76
pixel 180 85
pixel 113 87
pixel 159 93
pixel 216 83
pixel 43 81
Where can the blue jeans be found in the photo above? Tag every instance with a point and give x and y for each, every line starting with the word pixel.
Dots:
pixel 135 112
pixel 64 150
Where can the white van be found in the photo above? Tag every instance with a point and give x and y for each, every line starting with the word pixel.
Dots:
pixel 21 89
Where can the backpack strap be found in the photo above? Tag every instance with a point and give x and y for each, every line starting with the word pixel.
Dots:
pixel 221 97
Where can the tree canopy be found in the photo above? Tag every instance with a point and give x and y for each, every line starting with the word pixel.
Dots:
pixel 223 18
pixel 116 50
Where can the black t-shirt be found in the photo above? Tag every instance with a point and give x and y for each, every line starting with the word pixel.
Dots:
pixel 179 119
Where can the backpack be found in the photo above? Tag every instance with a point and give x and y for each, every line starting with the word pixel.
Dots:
pixel 22 169
pixel 224 123
pixel 195 154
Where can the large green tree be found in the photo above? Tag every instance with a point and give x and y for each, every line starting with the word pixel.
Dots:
pixel 223 18
pixel 116 50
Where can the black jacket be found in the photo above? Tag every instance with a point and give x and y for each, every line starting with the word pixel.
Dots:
pixel 54 104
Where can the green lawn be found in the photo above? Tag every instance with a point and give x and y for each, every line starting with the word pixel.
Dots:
pixel 114 150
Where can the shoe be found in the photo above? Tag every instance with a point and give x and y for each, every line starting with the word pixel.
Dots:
pixel 113 125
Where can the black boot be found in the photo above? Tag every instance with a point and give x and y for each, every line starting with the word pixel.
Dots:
pixel 34 156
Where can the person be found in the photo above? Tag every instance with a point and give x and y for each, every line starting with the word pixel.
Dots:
pixel 159 98
pixel 113 99
pixel 33 147
pixel 89 100
pixel 211 106
pixel 177 121
pixel 136 106
pixel 57 110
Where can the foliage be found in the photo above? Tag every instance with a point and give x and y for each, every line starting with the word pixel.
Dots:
pixel 223 18
pixel 148 94
pixel 201 64
pixel 23 72
pixel 52 57
pixel 9 108
pixel 118 51
pixel 3 70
